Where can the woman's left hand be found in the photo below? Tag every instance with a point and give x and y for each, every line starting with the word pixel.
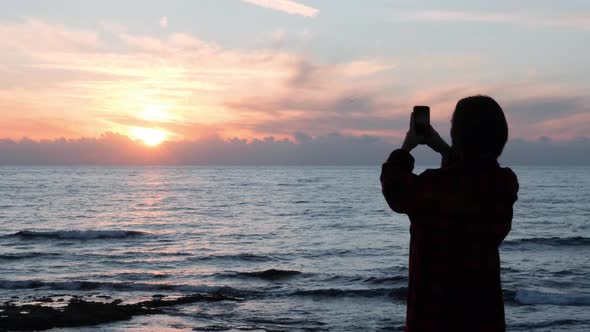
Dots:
pixel 412 140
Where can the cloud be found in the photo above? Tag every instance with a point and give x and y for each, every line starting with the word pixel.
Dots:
pixel 580 22
pixel 546 151
pixel 59 81
pixel 278 36
pixel 163 22
pixel 286 6
pixel 201 84
pixel 34 35
pixel 563 116
pixel 539 108
pixel 303 149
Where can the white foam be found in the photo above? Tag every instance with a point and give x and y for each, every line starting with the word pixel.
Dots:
pixel 530 297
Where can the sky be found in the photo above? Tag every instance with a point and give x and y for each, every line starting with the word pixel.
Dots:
pixel 161 75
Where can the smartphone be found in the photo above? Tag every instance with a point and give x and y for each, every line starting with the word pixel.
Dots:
pixel 421 116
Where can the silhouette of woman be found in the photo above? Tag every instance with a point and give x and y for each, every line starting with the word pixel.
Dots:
pixel 460 213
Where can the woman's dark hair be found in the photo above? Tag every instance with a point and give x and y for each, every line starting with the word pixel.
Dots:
pixel 479 127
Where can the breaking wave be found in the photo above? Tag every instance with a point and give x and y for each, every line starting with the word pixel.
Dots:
pixel 77 234
pixel 532 297
pixel 121 286
pixel 271 274
pixel 551 241
pixel 398 293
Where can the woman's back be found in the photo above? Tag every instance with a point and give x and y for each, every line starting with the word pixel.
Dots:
pixel 459 216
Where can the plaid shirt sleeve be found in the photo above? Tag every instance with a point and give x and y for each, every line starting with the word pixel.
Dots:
pixel 398 183
pixel 438 195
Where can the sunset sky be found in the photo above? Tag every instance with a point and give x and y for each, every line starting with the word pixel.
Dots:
pixel 200 69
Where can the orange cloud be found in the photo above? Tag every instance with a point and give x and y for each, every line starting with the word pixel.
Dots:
pixel 58 81
pixel 33 35
pixel 78 77
pixel 566 127
pixel 286 6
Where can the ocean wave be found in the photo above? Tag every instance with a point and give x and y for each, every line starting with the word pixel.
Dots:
pixel 561 323
pixel 326 253
pixel 123 286
pixel 233 257
pixel 398 293
pixel 26 255
pixel 77 234
pixel 386 280
pixel 271 274
pixel 532 297
pixel 213 328
pixel 155 253
pixel 138 275
pixel 551 241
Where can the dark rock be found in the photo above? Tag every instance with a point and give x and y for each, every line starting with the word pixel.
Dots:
pixel 45 300
pixel 78 312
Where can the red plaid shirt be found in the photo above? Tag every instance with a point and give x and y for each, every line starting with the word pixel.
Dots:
pixel 459 215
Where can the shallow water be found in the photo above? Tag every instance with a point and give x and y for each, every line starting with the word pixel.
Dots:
pixel 307 248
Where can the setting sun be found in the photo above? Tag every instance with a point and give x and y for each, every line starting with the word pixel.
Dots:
pixel 150 137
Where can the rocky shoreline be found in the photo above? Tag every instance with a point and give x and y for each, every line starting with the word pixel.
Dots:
pixel 46 313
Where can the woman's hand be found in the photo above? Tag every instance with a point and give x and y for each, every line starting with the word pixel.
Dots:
pixel 435 142
pixel 432 139
pixel 412 140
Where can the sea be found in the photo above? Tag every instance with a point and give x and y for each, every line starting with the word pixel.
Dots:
pixel 303 248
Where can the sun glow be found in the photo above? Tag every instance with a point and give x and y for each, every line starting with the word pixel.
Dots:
pixel 155 113
pixel 150 137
